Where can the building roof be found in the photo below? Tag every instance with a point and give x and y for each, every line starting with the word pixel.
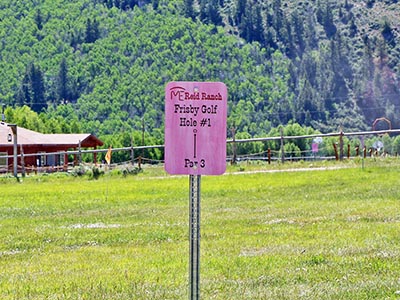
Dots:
pixel 30 137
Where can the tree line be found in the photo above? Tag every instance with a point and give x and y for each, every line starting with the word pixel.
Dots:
pixel 293 148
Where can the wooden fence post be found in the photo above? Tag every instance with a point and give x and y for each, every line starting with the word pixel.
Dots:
pixel 80 153
pixel 95 156
pixel 269 156
pixel 282 147
pixel 348 151
pixel 143 129
pixel 233 130
pixel 341 144
pixel 336 151
pixel 22 161
pixel 65 161
pixel 132 152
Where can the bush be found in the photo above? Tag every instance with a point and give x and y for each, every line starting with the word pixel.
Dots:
pixel 93 172
pixel 96 172
pixel 130 170
pixel 78 171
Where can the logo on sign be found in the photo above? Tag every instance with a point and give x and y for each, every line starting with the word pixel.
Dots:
pixel 181 94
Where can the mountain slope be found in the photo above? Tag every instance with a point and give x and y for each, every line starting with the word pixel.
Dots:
pixel 105 63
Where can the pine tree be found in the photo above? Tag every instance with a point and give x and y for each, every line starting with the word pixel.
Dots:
pixel 62 81
pixel 25 92
pixel 37 82
pixel 327 22
pixel 278 15
pixel 353 27
pixel 188 9
pixel 155 3
pixel 246 24
pixel 88 32
pixel 203 10
pixel 347 6
pixel 370 3
pixel 92 32
pixel 39 19
pixel 310 25
pixel 32 89
pixel 240 10
pixel 258 29
pixel 213 12
pixel 387 32
pixel 209 12
pixel 298 26
pixel 367 66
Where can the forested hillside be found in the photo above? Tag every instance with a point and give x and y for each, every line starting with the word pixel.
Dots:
pixel 101 66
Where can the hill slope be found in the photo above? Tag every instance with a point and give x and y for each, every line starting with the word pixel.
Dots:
pixel 105 64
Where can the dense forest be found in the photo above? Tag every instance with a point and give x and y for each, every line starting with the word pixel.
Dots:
pixel 101 66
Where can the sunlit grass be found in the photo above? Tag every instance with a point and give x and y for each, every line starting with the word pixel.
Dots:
pixel 322 234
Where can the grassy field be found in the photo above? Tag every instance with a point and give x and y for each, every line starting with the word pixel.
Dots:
pixel 330 233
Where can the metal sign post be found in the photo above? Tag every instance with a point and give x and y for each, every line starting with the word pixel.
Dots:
pixel 195 145
pixel 194 224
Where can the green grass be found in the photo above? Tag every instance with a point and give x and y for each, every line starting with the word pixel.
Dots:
pixel 322 234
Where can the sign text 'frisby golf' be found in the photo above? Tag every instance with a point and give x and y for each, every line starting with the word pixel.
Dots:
pixel 195 128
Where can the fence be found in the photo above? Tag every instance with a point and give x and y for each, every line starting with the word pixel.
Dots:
pixel 267 154
pixel 339 150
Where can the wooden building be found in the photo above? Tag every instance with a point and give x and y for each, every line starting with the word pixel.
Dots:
pixel 40 150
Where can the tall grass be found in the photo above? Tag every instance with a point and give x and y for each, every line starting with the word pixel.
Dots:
pixel 322 234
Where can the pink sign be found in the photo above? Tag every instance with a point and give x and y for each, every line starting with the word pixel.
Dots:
pixel 314 147
pixel 195 128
